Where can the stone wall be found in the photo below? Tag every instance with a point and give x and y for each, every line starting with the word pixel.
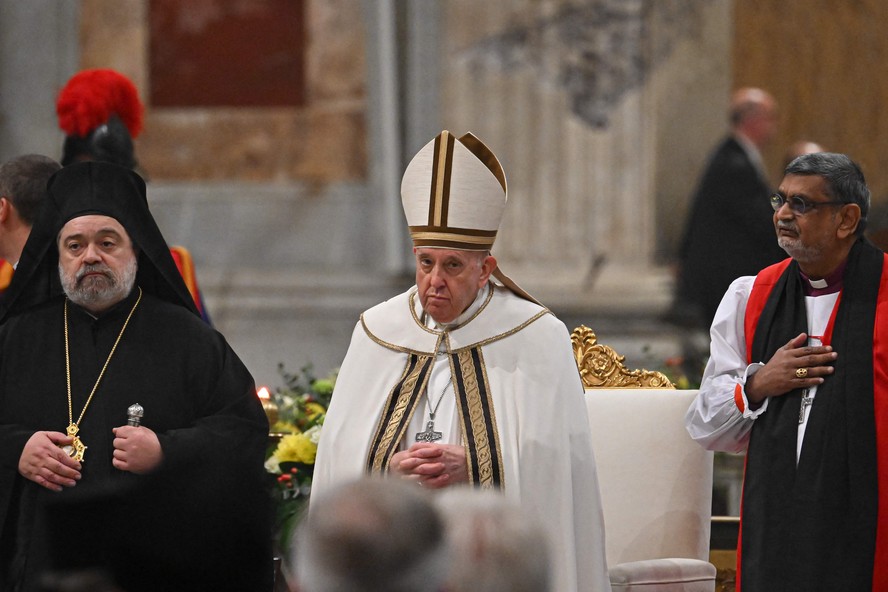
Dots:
pixel 323 142
pixel 596 108
pixel 38 52
pixel 600 143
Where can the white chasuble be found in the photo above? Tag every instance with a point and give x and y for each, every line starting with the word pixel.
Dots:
pixel 517 406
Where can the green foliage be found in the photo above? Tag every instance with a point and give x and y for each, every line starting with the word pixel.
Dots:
pixel 301 404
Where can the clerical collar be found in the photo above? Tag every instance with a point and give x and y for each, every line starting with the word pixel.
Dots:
pixel 466 315
pixel 828 285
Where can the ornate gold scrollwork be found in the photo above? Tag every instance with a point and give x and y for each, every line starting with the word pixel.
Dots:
pixel 602 367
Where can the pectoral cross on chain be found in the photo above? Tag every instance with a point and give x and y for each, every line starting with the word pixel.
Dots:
pixel 429 435
pixel 77 448
pixel 807 401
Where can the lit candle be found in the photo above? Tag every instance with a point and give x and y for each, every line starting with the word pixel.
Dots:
pixel 271 410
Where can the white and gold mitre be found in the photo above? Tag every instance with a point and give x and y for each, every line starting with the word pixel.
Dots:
pixel 454 193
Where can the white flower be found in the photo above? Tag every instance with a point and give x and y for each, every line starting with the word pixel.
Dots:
pixel 273 465
pixel 314 434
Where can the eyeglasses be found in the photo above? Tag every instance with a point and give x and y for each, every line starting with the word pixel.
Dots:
pixel 800 205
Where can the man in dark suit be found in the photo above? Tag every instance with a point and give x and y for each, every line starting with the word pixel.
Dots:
pixel 729 231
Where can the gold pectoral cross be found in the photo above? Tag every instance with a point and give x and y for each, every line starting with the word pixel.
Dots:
pixel 76 449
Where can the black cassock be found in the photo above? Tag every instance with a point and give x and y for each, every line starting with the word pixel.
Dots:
pixel 201 521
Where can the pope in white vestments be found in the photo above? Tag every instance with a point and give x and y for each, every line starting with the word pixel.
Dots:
pixel 466 380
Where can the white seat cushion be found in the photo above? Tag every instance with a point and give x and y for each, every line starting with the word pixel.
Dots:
pixel 663 575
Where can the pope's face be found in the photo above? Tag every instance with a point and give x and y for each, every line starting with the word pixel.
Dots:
pixel 449 280
pixel 97 262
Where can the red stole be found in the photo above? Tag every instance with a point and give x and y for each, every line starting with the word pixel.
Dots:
pixel 759 296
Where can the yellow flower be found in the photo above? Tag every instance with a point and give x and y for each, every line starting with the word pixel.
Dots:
pixel 314 410
pixel 296 448
pixel 284 426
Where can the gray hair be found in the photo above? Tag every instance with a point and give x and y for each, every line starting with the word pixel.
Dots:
pixel 844 179
pixel 23 182
pixel 495 546
pixel 369 535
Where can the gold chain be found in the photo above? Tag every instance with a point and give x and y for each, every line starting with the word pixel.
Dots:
pixel 71 421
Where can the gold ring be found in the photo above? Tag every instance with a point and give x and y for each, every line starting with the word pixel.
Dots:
pixel 801 373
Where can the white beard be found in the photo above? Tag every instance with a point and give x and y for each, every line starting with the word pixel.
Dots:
pixel 99 293
pixel 797 251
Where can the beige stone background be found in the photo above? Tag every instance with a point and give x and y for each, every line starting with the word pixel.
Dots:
pixel 321 143
pixel 291 213
pixel 819 58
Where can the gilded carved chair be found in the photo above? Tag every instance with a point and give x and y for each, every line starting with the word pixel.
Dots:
pixel 656 483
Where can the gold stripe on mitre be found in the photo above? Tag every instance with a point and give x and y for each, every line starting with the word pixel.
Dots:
pixel 442 169
pixel 452 238
pixel 485 155
pixel 454 190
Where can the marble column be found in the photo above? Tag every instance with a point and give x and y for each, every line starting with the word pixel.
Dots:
pixel 569 96
pixel 38 52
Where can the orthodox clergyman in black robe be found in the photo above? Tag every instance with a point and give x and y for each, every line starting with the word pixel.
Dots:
pixel 97 319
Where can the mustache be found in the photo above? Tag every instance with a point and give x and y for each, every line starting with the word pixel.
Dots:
pixel 96 268
pixel 784 225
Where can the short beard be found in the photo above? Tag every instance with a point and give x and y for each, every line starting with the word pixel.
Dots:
pixel 97 294
pixel 802 254
pixel 794 247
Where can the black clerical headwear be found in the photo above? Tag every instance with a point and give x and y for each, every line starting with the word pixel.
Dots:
pixel 93 188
